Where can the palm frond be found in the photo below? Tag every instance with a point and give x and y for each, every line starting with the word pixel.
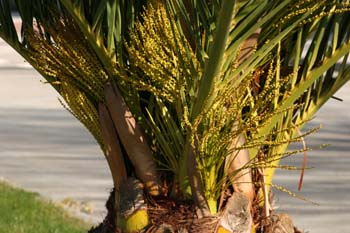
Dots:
pixel 315 76
pixel 196 75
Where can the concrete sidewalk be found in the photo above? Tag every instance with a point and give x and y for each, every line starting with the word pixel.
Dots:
pixel 44 149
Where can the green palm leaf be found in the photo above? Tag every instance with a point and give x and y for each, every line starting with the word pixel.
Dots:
pixel 212 92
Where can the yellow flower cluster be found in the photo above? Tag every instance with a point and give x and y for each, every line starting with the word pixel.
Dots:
pixel 159 60
pixel 69 64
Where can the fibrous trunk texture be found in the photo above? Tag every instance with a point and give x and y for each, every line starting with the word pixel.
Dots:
pixel 171 215
pixel 133 139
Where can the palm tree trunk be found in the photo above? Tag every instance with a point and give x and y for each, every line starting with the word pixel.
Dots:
pixel 133 140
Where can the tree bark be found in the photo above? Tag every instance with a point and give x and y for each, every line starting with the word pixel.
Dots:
pixel 133 140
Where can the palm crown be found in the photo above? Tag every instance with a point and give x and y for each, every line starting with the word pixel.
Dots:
pixel 191 97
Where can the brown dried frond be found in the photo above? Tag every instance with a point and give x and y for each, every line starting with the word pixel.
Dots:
pixel 180 215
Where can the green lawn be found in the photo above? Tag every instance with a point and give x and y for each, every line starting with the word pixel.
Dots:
pixel 25 212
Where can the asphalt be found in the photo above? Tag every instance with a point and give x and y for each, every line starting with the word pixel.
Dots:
pixel 45 149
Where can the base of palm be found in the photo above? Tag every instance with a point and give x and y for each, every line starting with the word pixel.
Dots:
pixel 167 215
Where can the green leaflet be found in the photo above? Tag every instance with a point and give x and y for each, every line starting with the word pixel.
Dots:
pixel 177 66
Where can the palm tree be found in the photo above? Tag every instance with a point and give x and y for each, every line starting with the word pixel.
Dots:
pixel 193 102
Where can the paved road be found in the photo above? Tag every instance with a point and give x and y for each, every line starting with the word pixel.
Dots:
pixel 44 149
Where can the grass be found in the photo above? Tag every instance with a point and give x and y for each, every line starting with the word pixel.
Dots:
pixel 26 212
